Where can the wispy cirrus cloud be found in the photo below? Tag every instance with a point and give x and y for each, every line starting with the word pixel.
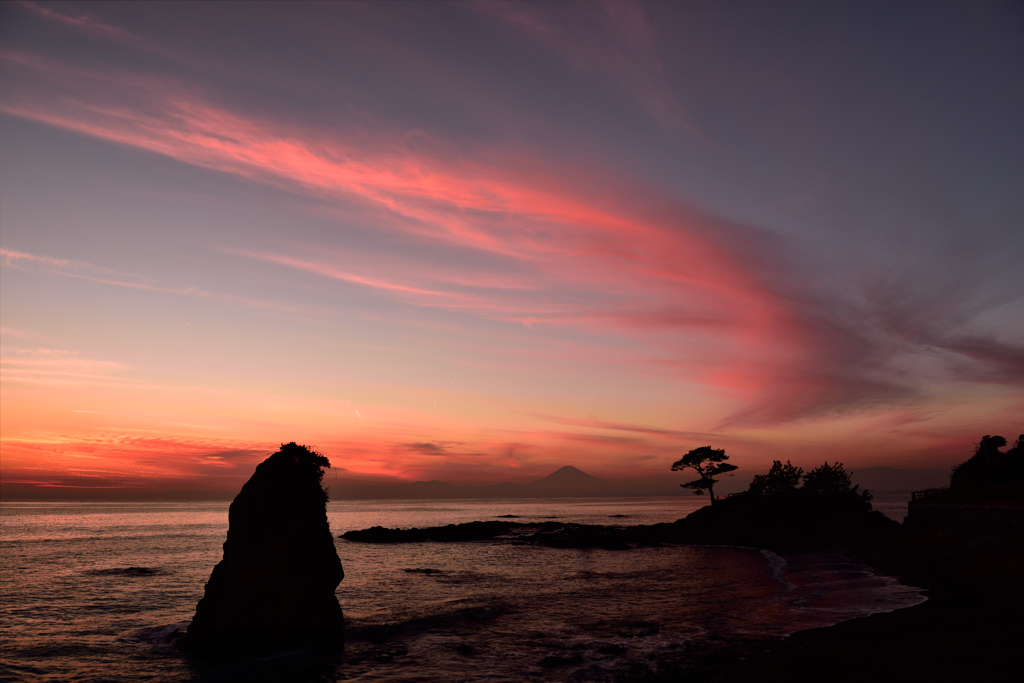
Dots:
pixel 16 332
pixel 84 21
pixel 610 39
pixel 92 25
pixel 88 271
pixel 594 423
pixel 423 285
pixel 719 304
pixel 493 205
pixel 337 274
pixel 55 366
pixel 23 260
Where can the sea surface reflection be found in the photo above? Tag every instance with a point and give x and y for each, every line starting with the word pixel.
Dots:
pixel 93 592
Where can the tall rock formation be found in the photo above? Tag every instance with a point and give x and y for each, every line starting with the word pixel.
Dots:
pixel 275 585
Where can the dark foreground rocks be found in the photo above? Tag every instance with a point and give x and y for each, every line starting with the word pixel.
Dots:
pixel 275 585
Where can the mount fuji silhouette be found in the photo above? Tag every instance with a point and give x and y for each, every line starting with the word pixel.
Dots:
pixel 569 481
pixel 565 482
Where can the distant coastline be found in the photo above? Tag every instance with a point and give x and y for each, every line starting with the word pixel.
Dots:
pixel 572 483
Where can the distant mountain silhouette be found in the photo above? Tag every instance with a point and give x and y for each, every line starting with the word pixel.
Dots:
pixel 666 484
pixel 432 487
pixel 565 482
pixel 895 479
pixel 570 481
pixel 567 475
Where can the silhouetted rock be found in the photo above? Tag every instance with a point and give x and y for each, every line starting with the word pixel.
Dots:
pixel 551 534
pixel 554 661
pixel 275 585
pixel 796 517
pixel 990 467
pixel 452 533
pixel 125 571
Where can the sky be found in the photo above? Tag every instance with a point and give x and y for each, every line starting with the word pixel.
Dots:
pixel 478 241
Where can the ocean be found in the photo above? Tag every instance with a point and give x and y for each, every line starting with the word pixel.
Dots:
pixel 94 591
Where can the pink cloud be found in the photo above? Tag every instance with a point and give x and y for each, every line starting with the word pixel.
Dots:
pixel 595 236
pixel 709 301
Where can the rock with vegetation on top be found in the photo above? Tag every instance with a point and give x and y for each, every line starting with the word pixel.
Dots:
pixel 989 467
pixel 275 585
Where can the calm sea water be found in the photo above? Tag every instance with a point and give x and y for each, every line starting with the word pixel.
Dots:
pixel 92 592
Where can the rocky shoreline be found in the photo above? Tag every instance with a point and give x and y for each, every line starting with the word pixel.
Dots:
pixel 969 628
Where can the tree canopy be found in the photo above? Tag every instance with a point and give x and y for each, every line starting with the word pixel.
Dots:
pixel 825 480
pixel 828 480
pixel 708 462
pixel 780 479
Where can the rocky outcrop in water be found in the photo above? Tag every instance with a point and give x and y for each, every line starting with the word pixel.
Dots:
pixel 551 534
pixel 275 585
pixel 795 518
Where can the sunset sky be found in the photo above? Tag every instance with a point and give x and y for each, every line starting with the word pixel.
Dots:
pixel 479 241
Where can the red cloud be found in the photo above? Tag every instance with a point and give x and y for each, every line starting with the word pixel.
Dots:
pixel 708 301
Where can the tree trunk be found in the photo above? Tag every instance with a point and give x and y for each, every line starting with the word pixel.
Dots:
pixel 711 492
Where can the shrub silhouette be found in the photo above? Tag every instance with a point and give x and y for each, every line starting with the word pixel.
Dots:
pixel 305 455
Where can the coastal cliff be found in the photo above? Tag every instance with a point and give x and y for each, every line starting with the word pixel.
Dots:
pixel 275 585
